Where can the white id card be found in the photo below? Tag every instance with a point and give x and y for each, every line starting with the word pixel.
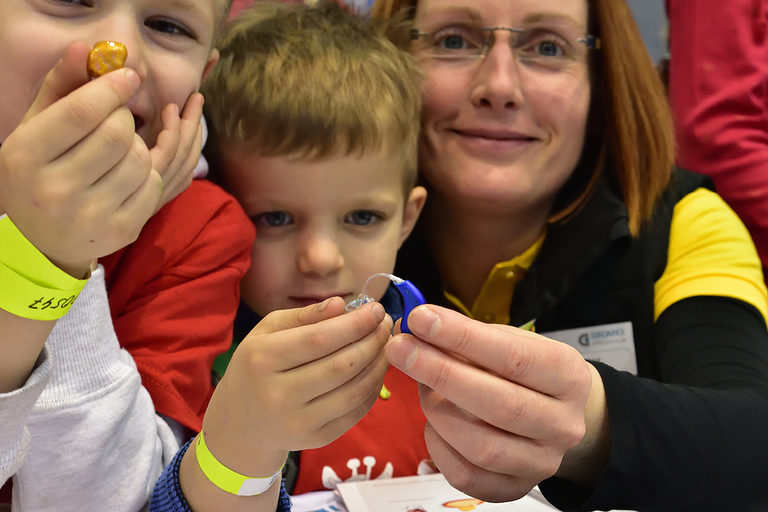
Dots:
pixel 612 344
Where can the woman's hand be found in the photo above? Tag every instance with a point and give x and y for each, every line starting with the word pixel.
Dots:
pixel 504 406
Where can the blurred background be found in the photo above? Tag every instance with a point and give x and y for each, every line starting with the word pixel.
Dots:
pixel 652 20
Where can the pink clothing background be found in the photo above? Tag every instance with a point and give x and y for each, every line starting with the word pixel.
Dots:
pixel 238 5
pixel 718 86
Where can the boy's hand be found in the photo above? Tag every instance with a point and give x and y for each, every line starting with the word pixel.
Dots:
pixel 299 380
pixel 178 146
pixel 74 176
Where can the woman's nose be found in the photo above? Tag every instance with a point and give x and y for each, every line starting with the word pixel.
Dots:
pixel 320 256
pixel 498 83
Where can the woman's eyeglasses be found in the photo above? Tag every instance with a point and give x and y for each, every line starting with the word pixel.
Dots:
pixel 550 47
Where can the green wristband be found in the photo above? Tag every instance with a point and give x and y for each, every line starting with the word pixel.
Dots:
pixel 32 287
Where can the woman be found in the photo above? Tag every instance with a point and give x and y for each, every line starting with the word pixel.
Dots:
pixel 547 149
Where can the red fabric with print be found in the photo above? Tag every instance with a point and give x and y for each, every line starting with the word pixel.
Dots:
pixel 174 292
pixel 392 432
pixel 173 295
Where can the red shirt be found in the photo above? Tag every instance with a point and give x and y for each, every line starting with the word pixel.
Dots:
pixel 388 441
pixel 174 292
pixel 718 86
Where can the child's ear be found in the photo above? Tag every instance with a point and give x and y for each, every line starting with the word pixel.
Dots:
pixel 213 58
pixel 413 207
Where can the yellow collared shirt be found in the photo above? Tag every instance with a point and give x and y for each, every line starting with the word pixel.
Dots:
pixel 493 302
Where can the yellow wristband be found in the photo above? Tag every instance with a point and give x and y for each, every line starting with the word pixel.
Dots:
pixel 226 479
pixel 32 287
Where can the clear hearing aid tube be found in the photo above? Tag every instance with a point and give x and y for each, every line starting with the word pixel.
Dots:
pixel 411 296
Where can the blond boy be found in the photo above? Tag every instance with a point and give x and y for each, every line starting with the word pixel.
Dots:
pixel 83 165
pixel 314 119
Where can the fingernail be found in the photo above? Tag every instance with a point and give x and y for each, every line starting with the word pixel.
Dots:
pixel 402 353
pixel 324 304
pixel 424 322
pixel 378 311
pixel 132 77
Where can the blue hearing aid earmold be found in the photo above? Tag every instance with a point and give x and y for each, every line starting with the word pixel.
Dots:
pixel 411 295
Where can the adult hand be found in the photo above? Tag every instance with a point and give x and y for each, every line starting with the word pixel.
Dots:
pixel 74 176
pixel 299 380
pixel 503 405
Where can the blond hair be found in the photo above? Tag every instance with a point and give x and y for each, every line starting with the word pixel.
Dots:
pixel 312 81
pixel 630 131
pixel 222 11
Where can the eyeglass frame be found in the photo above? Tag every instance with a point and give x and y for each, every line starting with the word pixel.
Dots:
pixel 591 41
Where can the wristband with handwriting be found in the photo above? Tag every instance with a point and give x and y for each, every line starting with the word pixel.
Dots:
pixel 226 479
pixel 32 286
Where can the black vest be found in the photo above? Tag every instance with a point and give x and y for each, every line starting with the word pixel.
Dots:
pixel 590 270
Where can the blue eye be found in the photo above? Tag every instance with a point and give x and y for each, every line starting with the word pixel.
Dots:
pixel 549 49
pixel 272 219
pixel 169 27
pixel 457 38
pixel 538 43
pixel 362 218
pixel 453 42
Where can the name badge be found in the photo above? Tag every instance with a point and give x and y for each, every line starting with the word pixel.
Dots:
pixel 612 344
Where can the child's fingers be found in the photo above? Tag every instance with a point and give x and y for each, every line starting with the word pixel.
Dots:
pixel 139 206
pixel 167 141
pixel 72 118
pixel 298 346
pixel 66 76
pixel 177 139
pixel 193 151
pixel 180 177
pixel 104 148
pixel 178 146
pixel 120 203
pixel 191 123
pixel 283 319
pixel 325 375
pixel 123 179
pixel 190 138
pixel 193 109
pixel 338 410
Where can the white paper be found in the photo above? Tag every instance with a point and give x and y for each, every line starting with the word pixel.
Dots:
pixel 427 493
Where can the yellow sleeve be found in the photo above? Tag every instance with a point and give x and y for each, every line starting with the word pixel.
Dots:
pixel 710 253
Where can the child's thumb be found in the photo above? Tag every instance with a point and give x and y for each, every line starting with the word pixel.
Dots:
pixel 69 73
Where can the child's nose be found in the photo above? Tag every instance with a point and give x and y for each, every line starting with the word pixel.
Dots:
pixel 320 256
pixel 125 29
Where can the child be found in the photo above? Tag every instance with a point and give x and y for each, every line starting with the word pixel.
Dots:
pixel 314 124
pixel 78 180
